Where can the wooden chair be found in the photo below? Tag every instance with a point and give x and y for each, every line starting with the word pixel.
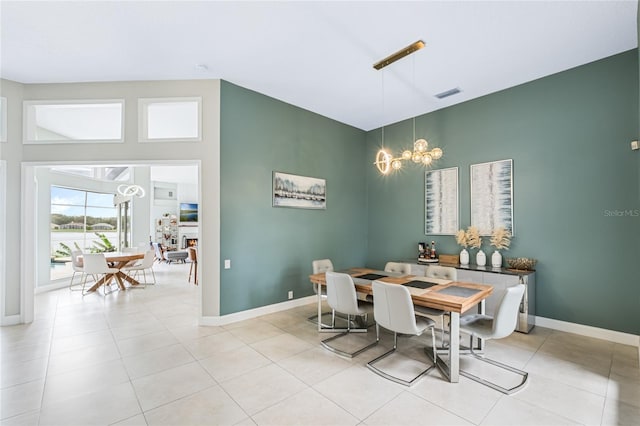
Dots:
pixel 193 258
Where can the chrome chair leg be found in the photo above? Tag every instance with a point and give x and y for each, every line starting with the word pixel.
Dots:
pixel 508 391
pixel 348 330
pixel 378 371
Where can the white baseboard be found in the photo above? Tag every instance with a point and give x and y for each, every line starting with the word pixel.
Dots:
pixel 51 287
pixel 253 313
pixel 589 331
pixel 583 330
pixel 11 320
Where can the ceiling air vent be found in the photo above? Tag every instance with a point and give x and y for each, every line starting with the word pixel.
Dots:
pixel 448 93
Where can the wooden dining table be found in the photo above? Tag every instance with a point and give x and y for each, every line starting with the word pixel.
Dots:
pixel 118 260
pixel 454 297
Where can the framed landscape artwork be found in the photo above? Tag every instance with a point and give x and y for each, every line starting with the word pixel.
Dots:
pixel 441 202
pixel 492 196
pixel 299 191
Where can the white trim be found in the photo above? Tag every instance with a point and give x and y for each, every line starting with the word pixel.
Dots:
pixel 28 124
pixel 583 330
pixel 62 283
pixel 3 119
pixel 28 270
pixel 10 320
pixel 256 312
pixel 589 331
pixel 143 119
pixel 3 241
pixel 28 237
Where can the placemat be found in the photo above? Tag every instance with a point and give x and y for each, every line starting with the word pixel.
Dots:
pixel 459 291
pixel 370 277
pixel 419 284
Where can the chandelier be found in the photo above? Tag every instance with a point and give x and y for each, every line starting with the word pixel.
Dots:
pixel 131 190
pixel 421 154
pixel 385 162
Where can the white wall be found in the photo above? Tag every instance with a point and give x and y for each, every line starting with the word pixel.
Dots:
pixel 204 153
pixel 141 207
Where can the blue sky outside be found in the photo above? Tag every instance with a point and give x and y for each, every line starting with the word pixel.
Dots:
pixel 71 202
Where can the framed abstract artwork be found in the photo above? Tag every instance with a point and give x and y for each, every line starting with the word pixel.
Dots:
pixel 492 196
pixel 299 191
pixel 441 202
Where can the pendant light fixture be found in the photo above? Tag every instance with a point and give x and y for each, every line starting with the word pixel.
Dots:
pixel 385 161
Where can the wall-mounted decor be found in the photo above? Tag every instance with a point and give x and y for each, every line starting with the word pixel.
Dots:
pixel 299 191
pixel 492 196
pixel 441 201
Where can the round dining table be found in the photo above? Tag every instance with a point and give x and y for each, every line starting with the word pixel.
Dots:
pixel 118 260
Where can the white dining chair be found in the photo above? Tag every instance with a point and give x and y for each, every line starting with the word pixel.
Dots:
pixel 443 273
pixel 397 267
pixel 96 265
pixel 342 298
pixel 145 264
pixel 393 310
pixel 78 267
pixel 319 266
pixel 501 325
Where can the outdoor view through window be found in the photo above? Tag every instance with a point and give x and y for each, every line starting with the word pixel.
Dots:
pixel 80 220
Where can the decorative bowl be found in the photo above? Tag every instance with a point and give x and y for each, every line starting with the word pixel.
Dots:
pixel 522 263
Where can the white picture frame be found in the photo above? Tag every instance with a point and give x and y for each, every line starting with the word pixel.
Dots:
pixel 297 191
pixel 441 202
pixel 492 196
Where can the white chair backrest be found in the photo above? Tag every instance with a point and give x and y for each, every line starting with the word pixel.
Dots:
pixel 322 265
pixel 341 293
pixel 400 268
pixel 393 308
pixel 149 257
pixel 441 272
pixel 76 262
pixel 506 314
pixel 158 251
pixel 95 264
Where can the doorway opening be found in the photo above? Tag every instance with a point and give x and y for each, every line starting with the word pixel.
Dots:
pixel 141 214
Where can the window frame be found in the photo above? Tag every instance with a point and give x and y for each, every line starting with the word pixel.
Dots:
pixel 29 123
pixel 143 119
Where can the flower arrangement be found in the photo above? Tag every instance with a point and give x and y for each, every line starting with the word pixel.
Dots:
pixel 473 237
pixel 461 238
pixel 501 239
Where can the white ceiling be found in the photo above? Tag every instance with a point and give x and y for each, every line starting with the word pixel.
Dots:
pixel 316 55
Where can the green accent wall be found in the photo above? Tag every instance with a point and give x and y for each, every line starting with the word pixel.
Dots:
pixel 271 249
pixel 576 186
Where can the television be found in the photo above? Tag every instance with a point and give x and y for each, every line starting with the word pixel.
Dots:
pixel 188 214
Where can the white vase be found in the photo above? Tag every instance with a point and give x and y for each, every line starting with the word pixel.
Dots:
pixel 481 259
pixel 464 257
pixel 496 259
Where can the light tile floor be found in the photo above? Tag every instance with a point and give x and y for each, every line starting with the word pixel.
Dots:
pixel 138 357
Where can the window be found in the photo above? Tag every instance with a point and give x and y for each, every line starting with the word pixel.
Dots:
pixel 73 121
pixel 77 217
pixel 170 119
